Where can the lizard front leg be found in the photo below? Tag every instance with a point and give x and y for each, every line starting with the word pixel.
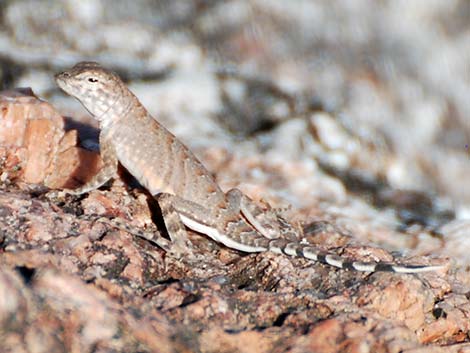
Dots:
pixel 107 171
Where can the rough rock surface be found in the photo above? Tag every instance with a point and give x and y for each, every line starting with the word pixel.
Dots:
pixel 34 146
pixel 353 112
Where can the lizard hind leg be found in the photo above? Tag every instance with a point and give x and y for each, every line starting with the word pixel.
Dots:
pixel 225 226
pixel 265 222
pixel 119 223
pixel 178 213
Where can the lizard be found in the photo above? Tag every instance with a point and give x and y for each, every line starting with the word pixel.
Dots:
pixel 185 190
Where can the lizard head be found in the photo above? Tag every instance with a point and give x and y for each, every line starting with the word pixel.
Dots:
pixel 97 88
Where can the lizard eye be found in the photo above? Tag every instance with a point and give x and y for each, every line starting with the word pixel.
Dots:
pixel 92 80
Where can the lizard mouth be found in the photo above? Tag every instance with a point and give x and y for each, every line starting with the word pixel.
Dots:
pixel 61 79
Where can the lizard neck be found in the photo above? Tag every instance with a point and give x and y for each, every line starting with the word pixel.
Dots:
pixel 125 105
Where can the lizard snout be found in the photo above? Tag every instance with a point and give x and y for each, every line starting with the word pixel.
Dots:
pixel 62 75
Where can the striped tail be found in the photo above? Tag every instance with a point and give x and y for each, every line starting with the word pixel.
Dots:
pixel 279 246
pixel 308 251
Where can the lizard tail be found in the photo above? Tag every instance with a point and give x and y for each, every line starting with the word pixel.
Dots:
pixel 308 251
pixel 283 246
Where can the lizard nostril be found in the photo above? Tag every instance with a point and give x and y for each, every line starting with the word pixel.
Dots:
pixel 64 74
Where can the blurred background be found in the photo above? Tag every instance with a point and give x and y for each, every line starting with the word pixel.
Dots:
pixel 380 88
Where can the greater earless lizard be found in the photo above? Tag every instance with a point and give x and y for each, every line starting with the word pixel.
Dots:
pixel 186 192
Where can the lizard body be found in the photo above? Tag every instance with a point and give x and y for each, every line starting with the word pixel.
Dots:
pixel 186 192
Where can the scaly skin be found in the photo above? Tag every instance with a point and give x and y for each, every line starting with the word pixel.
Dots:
pixel 185 190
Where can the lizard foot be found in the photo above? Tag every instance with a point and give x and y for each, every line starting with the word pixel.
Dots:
pixel 59 195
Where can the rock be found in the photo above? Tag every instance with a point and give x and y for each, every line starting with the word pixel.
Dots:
pixel 34 146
